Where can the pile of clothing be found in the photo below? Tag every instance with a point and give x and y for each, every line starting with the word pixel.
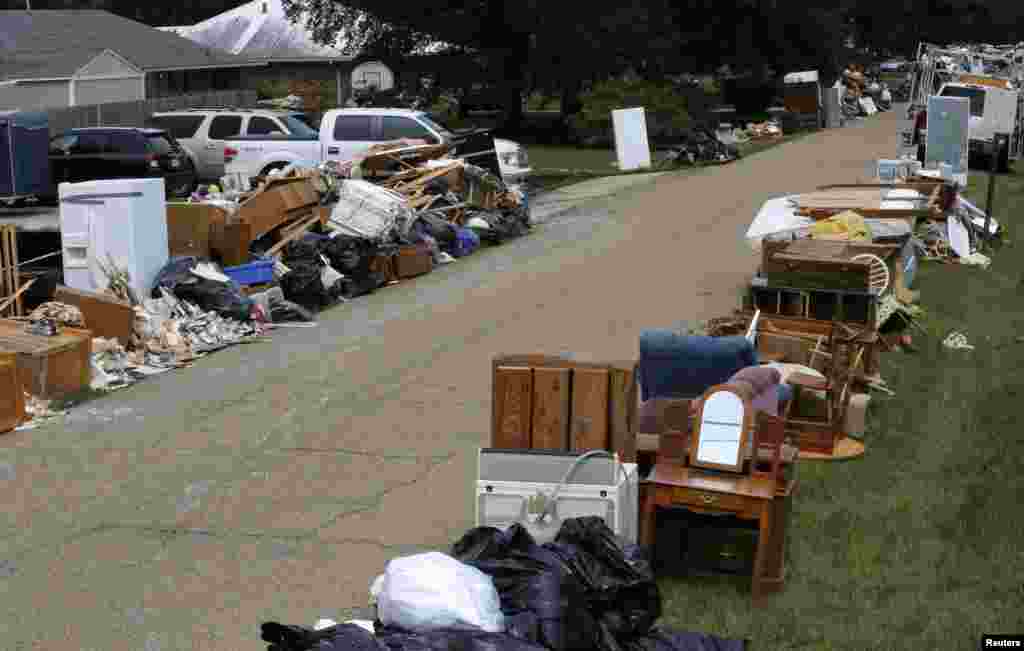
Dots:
pixel 588 590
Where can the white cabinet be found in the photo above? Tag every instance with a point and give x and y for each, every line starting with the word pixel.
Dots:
pixel 124 220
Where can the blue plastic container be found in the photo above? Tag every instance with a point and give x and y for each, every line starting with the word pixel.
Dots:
pixel 254 273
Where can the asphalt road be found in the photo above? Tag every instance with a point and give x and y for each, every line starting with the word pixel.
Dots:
pixel 274 481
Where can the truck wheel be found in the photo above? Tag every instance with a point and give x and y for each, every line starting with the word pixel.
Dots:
pixel 273 166
pixel 1003 164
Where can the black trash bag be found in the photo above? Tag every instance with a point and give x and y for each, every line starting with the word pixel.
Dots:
pixel 545 600
pixel 177 270
pixel 342 637
pixel 284 311
pixel 345 254
pixel 666 640
pixel 439 229
pixel 303 285
pixel 622 592
pixel 489 543
pixel 353 287
pixel 394 639
pixel 301 252
pixel 211 296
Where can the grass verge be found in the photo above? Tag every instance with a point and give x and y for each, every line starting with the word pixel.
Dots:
pixel 555 167
pixel 920 543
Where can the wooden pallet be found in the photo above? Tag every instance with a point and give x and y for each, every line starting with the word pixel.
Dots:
pixel 10 279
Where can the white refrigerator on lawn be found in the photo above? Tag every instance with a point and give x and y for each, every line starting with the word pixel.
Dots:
pixel 631 145
pixel 119 220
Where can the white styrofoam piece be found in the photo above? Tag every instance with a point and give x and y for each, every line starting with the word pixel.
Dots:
pixel 904 193
pixel 776 216
pixel 899 204
pixel 631 145
pixel 122 219
pixel 805 77
pixel 959 239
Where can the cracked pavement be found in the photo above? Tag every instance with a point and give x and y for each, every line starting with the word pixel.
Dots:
pixel 274 481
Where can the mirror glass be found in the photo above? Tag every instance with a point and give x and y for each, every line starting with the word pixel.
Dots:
pixel 721 430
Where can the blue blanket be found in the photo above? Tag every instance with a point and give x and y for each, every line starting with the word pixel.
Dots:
pixel 683 366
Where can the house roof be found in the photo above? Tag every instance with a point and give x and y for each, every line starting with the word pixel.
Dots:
pixel 259 30
pixel 56 44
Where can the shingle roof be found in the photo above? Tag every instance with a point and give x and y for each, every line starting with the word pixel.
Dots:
pixel 55 44
pixel 258 30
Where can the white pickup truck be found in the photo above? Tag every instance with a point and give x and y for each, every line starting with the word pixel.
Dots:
pixel 345 133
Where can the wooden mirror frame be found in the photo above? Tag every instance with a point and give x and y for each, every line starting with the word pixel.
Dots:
pixel 745 429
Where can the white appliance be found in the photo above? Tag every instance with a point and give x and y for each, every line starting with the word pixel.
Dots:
pixel 948 133
pixel 507 479
pixel 631 146
pixel 120 219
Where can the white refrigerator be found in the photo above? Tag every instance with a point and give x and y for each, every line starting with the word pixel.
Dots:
pixel 123 220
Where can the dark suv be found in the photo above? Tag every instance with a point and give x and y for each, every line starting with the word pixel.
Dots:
pixel 121 153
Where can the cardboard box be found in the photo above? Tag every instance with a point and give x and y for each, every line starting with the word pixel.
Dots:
pixel 190 226
pixel 105 316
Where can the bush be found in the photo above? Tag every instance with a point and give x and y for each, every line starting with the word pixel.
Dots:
pixel 666 110
pixel 272 89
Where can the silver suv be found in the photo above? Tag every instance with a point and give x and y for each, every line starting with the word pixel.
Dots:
pixel 202 131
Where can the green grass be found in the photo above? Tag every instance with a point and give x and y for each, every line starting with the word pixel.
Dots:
pixel 555 167
pixel 920 543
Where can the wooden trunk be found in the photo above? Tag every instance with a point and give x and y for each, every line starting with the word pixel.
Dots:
pixel 12 396
pixel 49 367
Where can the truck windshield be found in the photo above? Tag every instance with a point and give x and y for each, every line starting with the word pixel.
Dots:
pixel 975 95
pixel 298 127
pixel 445 132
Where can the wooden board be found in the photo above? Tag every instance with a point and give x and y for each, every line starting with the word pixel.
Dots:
pixel 105 316
pixel 513 408
pixel 12 396
pixel 10 280
pixel 590 409
pixel 551 408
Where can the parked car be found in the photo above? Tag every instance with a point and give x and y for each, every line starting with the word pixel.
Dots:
pixel 202 131
pixel 345 133
pixel 120 153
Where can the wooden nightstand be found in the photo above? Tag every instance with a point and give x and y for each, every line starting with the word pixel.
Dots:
pixel 747 498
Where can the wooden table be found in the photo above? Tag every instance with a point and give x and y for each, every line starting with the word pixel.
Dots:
pixel 703 491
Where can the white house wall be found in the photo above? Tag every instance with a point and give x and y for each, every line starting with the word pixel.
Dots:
pixel 34 95
pixel 107 64
pixel 103 91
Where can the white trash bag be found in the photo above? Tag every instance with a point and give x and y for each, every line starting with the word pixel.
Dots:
pixel 426 592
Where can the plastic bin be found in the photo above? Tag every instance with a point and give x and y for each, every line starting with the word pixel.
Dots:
pixel 254 273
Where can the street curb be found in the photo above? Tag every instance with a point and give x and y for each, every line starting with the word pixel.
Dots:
pixel 548 205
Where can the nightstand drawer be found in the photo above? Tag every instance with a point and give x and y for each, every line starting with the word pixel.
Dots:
pixel 715 501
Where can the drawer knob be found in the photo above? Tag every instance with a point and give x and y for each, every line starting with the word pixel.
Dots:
pixel 708 499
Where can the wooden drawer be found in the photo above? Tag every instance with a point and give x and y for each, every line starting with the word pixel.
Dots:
pixel 712 501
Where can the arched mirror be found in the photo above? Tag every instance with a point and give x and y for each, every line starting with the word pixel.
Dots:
pixel 723 427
